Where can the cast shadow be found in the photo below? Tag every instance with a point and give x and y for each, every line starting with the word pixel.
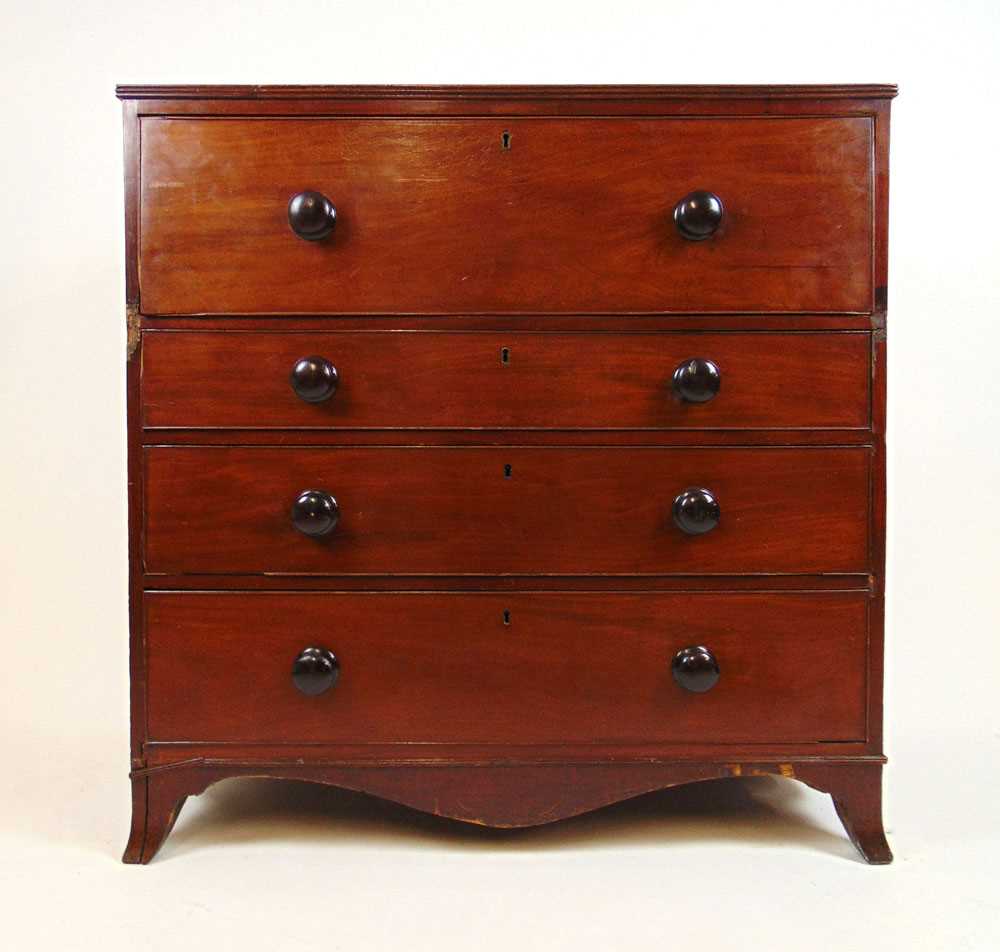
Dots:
pixel 758 811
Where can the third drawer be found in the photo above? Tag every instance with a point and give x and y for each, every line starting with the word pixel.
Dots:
pixel 473 380
pixel 510 510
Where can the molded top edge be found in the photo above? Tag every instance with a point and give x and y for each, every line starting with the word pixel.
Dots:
pixel 850 91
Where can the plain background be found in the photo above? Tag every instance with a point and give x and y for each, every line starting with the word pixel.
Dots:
pixel 755 864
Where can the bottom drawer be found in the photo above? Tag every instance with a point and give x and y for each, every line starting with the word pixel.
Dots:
pixel 506 669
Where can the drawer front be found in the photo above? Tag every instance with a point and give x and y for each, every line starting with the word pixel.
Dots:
pixel 516 380
pixel 556 668
pixel 435 216
pixel 495 511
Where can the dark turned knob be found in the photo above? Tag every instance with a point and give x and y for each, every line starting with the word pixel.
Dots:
pixel 698 215
pixel 696 511
pixel 695 669
pixel 315 670
pixel 697 380
pixel 315 513
pixel 314 379
pixel 311 215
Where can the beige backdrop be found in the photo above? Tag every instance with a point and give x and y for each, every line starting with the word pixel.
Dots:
pixel 760 864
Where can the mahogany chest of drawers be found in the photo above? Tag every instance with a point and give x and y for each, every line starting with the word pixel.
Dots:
pixel 506 452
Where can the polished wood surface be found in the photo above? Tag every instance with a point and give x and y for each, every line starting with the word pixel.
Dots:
pixel 526 300
pixel 435 215
pixel 396 96
pixel 423 380
pixel 494 511
pixel 511 795
pixel 522 669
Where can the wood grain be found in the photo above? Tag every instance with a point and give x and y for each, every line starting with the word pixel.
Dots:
pixel 448 245
pixel 458 380
pixel 455 511
pixel 434 216
pixel 558 94
pixel 446 668
pixel 509 795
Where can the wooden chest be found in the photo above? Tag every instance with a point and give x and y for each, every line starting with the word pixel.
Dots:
pixel 506 451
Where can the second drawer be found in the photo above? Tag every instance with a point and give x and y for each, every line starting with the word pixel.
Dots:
pixel 514 510
pixel 473 380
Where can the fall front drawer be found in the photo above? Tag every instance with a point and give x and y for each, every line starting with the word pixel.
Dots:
pixel 495 511
pixel 414 380
pixel 515 669
pixel 582 215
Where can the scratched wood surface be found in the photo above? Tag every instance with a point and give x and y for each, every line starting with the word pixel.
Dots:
pixel 505 381
pixel 461 511
pixel 447 668
pixel 448 249
pixel 435 216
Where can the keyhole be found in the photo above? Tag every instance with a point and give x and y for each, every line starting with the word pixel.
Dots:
pixel 505 141
pixel 506 471
pixel 505 355
pixel 506 616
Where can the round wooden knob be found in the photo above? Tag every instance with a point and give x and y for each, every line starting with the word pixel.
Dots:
pixel 696 511
pixel 315 670
pixel 311 215
pixel 698 215
pixel 695 669
pixel 697 380
pixel 315 513
pixel 314 379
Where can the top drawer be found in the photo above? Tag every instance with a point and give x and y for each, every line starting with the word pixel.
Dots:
pixel 493 215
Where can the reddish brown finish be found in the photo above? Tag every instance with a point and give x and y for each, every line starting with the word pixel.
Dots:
pixel 577 668
pixel 156 804
pixel 133 418
pixel 518 784
pixel 455 511
pixel 396 96
pixel 167 753
pixel 606 438
pixel 516 583
pixel 857 796
pixel 505 381
pixel 434 215
pixel 512 795
pixel 505 323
